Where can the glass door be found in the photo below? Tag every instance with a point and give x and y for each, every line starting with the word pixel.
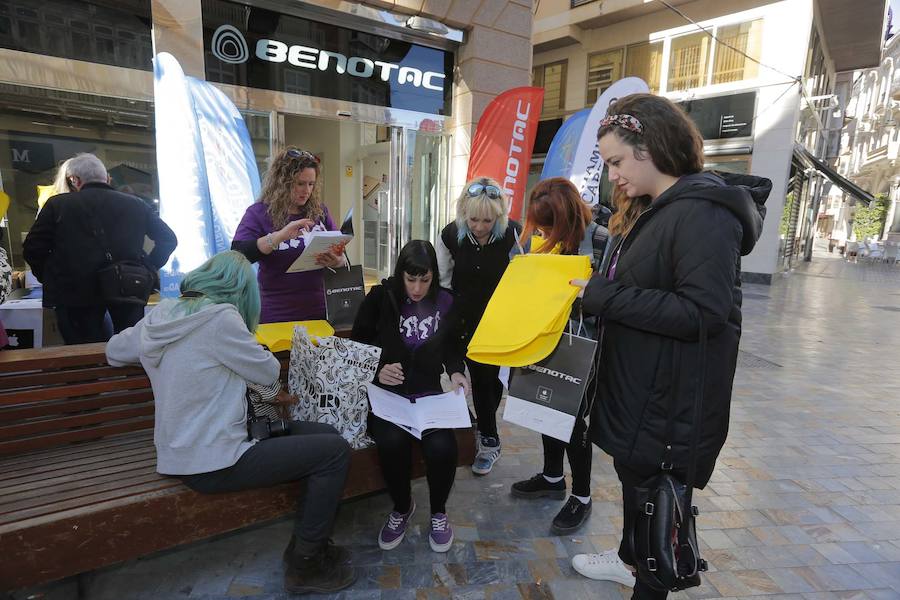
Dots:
pixel 405 189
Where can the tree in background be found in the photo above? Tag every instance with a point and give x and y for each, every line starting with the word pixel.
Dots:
pixel 868 221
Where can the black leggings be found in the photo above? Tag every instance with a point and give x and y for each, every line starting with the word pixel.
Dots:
pixel 486 393
pixel 313 452
pixel 579 452
pixel 632 476
pixel 395 455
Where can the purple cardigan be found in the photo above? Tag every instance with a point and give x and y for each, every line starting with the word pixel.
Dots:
pixel 284 296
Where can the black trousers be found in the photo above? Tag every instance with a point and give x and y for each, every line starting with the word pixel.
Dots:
pixel 314 453
pixel 395 455
pixel 631 477
pixel 85 324
pixel 579 452
pixel 486 393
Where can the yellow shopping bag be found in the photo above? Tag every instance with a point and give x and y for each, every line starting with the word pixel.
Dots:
pixel 529 309
pixel 277 336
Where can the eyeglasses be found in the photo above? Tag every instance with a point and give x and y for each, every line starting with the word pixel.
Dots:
pixel 294 153
pixel 477 189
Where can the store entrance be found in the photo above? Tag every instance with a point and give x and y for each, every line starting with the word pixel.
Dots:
pixel 394 179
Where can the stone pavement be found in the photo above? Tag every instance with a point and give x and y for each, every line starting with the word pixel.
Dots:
pixel 804 505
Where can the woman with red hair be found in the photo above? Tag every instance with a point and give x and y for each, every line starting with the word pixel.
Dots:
pixel 557 213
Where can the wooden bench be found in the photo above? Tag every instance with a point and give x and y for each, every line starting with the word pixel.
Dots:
pixel 78 484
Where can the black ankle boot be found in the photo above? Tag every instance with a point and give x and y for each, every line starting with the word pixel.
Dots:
pixel 316 574
pixel 333 553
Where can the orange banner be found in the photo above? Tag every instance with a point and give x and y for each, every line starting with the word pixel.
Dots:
pixel 504 140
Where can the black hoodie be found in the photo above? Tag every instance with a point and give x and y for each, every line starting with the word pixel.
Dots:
pixel 378 323
pixel 681 260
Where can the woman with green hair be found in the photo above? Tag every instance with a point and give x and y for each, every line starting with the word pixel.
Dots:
pixel 200 353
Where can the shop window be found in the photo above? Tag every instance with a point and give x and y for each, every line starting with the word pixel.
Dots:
pixel 551 77
pixel 41 128
pixel 604 68
pixel 688 61
pixel 645 61
pixel 84 30
pixel 731 65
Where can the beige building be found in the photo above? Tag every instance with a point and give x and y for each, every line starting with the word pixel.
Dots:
pixel 870 145
pixel 386 93
pixel 742 84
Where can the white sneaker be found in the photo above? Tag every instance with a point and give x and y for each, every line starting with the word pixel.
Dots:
pixel 606 566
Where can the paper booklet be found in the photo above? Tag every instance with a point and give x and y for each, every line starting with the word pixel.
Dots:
pixel 441 411
pixel 319 242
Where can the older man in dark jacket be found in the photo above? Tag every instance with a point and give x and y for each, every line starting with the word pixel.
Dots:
pixel 69 241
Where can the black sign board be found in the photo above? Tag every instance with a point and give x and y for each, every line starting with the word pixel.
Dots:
pixel 255 47
pixel 19 339
pixel 722 117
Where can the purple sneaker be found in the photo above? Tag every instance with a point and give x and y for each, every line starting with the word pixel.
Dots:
pixel 395 528
pixel 441 536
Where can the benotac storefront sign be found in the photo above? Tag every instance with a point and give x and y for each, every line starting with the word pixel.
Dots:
pixel 256 47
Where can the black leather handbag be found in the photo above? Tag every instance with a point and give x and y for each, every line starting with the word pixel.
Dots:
pixel 664 536
pixel 122 281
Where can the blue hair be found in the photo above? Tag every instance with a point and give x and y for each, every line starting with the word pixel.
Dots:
pixel 226 278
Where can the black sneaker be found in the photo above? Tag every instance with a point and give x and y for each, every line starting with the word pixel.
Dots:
pixel 571 517
pixel 316 574
pixel 539 487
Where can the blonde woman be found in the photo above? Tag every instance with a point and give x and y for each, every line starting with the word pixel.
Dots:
pixel 473 252
pixel 271 233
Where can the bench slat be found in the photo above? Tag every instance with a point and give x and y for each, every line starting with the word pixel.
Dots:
pixel 46 378
pixel 74 390
pixel 55 357
pixel 77 477
pixel 49 499
pixel 37 427
pixel 57 439
pixel 45 409
pixel 40 460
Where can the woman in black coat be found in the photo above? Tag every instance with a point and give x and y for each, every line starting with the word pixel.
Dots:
pixel 672 277
pixel 412 319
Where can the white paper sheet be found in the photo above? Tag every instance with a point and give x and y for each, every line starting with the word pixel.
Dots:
pixel 315 243
pixel 441 411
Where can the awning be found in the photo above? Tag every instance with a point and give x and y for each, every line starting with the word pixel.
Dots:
pixel 806 158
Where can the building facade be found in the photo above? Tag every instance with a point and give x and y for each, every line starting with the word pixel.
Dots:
pixel 870 145
pixel 757 78
pixel 387 93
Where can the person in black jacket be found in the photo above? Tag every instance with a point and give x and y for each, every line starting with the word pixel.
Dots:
pixel 672 277
pixel 66 249
pixel 473 253
pixel 411 318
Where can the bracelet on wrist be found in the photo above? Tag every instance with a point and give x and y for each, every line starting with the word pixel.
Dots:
pixel 271 242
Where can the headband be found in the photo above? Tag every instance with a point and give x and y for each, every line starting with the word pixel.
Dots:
pixel 625 122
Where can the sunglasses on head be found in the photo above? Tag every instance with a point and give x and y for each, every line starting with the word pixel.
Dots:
pixel 293 153
pixel 491 191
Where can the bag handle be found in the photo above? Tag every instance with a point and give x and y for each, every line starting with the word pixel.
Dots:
pixel 99 232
